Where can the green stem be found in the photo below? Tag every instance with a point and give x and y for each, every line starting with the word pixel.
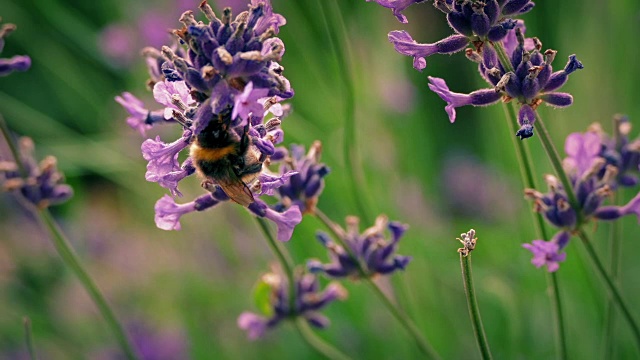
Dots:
pixel 527 174
pixel 12 147
pixel 474 311
pixel 29 338
pixel 404 320
pixel 350 148
pixel 285 261
pixel 556 162
pixel 614 268
pixel 71 260
pixel 613 289
pixel 321 346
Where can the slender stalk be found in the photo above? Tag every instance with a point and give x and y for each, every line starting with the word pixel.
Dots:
pixel 71 260
pixel 474 311
pixel 404 320
pixel 556 162
pixel 614 268
pixel 350 144
pixel 29 338
pixel 12 147
pixel 527 174
pixel 319 345
pixel 613 289
pixel 285 261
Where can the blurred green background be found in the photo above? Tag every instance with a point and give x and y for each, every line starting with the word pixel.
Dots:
pixel 184 290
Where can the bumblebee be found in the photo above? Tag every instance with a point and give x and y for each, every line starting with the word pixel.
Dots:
pixel 227 159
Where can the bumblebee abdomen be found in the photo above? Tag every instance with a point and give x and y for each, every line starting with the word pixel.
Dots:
pixel 214 163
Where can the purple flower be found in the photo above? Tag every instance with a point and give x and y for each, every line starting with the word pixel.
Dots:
pixel 619 150
pixel 583 151
pixel 398 6
pixel 164 93
pixel 306 185
pixel 269 18
pixel 247 103
pixel 374 254
pixel 477 98
pixel 548 252
pixel 615 212
pixel 405 45
pixel 140 118
pixel 162 157
pixel 285 221
pixel 16 63
pixel 308 301
pixel 168 213
pixel 41 184
pixel 219 85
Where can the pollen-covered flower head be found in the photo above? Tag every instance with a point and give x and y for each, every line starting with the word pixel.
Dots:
pixel 40 184
pixel 369 253
pixel 218 86
pixel 16 63
pixel 272 295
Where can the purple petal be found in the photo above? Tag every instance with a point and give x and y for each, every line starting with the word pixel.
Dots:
pixel 253 324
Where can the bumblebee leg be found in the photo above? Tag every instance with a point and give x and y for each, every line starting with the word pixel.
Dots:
pixel 208 185
pixel 244 140
pixel 251 169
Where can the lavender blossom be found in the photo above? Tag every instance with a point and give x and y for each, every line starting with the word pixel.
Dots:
pixel 398 6
pixel 227 79
pixel 304 187
pixel 532 83
pixel 16 63
pixel 41 184
pixel 308 301
pixel 473 22
pixel 548 252
pixel 485 24
pixel 620 151
pixel 373 253
pixel 593 180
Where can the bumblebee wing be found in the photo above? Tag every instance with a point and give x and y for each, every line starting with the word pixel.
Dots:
pixel 237 190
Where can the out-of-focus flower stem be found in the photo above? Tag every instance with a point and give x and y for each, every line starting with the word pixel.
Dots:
pixel 315 342
pixel 350 148
pixel 69 257
pixel 404 320
pixel 474 311
pixel 614 268
pixel 29 338
pixel 527 173
pixel 12 146
pixel 611 286
pixel 71 260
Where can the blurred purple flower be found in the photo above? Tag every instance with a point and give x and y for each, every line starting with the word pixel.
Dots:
pixel 41 185
pixel 308 301
pixel 398 6
pixel 548 252
pixel 16 63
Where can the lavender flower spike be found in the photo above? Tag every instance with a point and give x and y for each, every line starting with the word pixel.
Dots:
pixel 405 45
pixel 481 97
pixel 308 300
pixel 373 253
pixel 398 6
pixel 41 185
pixel 16 63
